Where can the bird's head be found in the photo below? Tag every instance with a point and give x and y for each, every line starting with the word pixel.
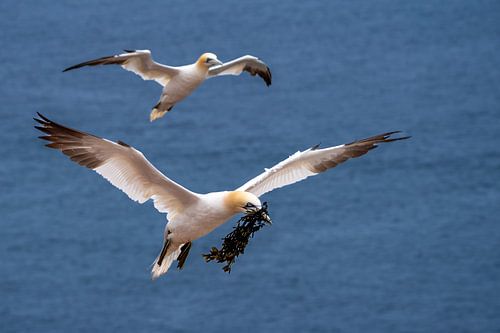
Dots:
pixel 242 202
pixel 208 60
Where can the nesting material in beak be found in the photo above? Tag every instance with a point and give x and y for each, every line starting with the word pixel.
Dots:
pixel 236 241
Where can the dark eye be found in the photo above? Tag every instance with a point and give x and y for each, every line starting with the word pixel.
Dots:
pixel 249 205
pixel 208 60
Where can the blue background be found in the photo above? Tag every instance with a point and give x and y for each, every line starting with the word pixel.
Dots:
pixel 405 239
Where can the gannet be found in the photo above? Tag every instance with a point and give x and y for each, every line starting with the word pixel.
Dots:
pixel 191 215
pixel 179 82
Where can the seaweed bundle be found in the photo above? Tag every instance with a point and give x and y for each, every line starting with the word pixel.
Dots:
pixel 236 241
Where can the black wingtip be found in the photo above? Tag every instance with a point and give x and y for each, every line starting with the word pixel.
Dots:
pixel 129 51
pixel 41 115
pixel 41 122
pixel 121 143
pixel 270 77
pixel 397 139
pixel 45 119
pixel 267 76
pixel 381 138
pixel 315 146
pixel 70 68
pixel 388 138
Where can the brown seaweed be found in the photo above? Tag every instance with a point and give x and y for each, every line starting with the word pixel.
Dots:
pixel 235 242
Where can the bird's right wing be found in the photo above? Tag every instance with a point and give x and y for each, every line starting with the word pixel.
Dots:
pixel 137 61
pixel 122 165
pixel 311 162
pixel 248 63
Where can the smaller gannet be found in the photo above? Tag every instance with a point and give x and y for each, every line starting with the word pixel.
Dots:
pixel 179 82
pixel 191 215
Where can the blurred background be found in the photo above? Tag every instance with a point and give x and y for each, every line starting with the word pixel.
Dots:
pixel 404 239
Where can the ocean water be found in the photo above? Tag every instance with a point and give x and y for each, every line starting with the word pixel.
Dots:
pixel 404 239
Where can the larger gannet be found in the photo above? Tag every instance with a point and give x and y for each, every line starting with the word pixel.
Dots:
pixel 191 215
pixel 179 82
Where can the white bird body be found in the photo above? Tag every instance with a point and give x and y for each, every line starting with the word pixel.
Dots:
pixel 201 218
pixel 179 82
pixel 180 86
pixel 191 215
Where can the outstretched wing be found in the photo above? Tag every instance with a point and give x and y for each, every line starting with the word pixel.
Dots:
pixel 311 162
pixel 122 165
pixel 247 63
pixel 139 62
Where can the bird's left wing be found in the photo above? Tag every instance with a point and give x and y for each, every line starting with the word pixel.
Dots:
pixel 311 162
pixel 139 62
pixel 247 63
pixel 122 165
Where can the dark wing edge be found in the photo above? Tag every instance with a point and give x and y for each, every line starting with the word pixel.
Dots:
pixel 355 149
pixel 68 141
pixel 313 161
pixel 265 75
pixel 107 60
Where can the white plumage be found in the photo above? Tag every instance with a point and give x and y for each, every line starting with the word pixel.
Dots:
pixel 191 215
pixel 179 82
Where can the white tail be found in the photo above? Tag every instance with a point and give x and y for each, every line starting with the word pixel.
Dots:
pixel 171 255
pixel 156 114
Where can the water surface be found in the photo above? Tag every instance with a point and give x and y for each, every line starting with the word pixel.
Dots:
pixel 405 239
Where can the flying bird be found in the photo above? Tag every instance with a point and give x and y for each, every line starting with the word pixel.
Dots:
pixel 191 215
pixel 179 82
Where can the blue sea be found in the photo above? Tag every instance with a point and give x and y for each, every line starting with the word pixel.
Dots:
pixel 404 239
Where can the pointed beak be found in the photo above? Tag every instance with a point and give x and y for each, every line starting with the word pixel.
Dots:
pixel 267 218
pixel 217 62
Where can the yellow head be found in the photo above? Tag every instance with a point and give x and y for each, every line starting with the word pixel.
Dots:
pixel 242 202
pixel 208 60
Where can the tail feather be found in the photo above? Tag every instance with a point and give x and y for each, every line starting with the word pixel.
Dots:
pixel 161 267
pixel 156 113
